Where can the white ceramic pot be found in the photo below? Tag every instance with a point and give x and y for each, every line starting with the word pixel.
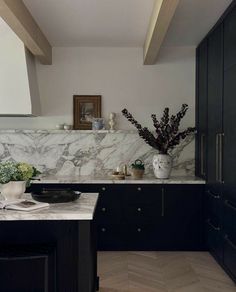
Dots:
pixel 13 190
pixel 162 165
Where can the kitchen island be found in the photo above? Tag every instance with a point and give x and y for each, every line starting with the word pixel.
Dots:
pixel 52 249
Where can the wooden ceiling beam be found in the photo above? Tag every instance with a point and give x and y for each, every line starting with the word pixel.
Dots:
pixel 18 17
pixel 162 15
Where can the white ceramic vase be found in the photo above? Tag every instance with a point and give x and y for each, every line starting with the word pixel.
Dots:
pixel 13 190
pixel 162 165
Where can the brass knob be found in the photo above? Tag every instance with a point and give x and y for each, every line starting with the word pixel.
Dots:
pixel 139 209
pixel 103 209
pixel 139 189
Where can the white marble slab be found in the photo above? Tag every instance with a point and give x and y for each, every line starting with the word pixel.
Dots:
pixel 108 180
pixel 87 153
pixel 81 209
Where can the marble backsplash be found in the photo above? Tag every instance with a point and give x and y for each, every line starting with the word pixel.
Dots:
pixel 95 153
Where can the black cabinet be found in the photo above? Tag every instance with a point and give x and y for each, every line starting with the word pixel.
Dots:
pixel 47 256
pixel 184 216
pixel 230 39
pixel 146 216
pixel 201 109
pixel 220 196
pixel 29 268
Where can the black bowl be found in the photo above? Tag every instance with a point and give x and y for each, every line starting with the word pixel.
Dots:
pixel 56 195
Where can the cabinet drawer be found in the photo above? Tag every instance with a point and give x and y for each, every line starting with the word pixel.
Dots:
pixel 111 237
pixel 230 219
pixel 213 207
pixel 143 237
pixel 214 239
pixel 108 212
pixel 143 212
pixel 230 255
pixel 143 194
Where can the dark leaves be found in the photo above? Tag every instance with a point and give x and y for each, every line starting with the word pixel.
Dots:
pixel 167 130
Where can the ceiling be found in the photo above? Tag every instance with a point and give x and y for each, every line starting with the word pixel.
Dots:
pixel 92 22
pixel 192 21
pixel 121 22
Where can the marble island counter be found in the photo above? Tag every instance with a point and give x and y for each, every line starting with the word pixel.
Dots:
pixel 110 180
pixel 81 209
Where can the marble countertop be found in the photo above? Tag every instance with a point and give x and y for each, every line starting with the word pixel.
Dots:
pixel 81 209
pixel 109 180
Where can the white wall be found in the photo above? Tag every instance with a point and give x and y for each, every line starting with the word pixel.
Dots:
pixel 119 76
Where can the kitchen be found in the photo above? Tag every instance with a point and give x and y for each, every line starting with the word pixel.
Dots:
pixel 172 226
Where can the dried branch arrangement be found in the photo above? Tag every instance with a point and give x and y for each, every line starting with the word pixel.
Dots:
pixel 167 129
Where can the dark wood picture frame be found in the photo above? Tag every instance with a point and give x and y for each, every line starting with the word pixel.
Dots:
pixel 85 107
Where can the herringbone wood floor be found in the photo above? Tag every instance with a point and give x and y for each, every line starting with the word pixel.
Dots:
pixel 161 272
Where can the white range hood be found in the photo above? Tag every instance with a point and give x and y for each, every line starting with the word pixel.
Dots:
pixel 19 93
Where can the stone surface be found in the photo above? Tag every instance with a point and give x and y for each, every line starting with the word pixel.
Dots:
pixel 89 153
pixel 109 180
pixel 81 209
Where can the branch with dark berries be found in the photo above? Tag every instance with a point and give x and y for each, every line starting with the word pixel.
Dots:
pixel 167 134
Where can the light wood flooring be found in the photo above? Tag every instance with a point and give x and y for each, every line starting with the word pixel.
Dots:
pixel 161 272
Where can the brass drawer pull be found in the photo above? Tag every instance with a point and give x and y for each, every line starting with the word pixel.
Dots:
pixel 230 205
pixel 212 226
pixel 213 195
pixel 230 242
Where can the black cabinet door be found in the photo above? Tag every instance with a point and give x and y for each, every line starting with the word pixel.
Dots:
pixel 183 217
pixel 230 39
pixel 215 110
pixel 229 163
pixel 201 109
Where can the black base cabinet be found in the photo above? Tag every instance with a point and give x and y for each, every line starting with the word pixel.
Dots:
pixel 47 256
pixel 147 216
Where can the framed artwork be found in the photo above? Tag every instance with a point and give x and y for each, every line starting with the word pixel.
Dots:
pixel 86 107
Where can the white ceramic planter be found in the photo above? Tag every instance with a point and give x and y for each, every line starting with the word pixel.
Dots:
pixel 162 165
pixel 13 190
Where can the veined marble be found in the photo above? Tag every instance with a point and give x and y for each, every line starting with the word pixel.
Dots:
pixel 109 180
pixel 81 209
pixel 89 153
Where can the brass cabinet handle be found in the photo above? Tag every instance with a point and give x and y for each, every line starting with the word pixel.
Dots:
pixel 162 202
pixel 202 143
pixel 229 241
pixel 221 157
pixel 217 157
pixel 212 226
pixel 213 195
pixel 230 205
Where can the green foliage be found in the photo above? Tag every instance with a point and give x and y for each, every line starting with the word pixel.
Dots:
pixel 12 171
pixel 138 164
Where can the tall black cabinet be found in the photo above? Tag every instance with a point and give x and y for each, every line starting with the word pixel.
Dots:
pixel 215 152
pixel 201 115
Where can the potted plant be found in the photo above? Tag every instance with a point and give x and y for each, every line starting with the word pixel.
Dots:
pixel 165 138
pixel 14 178
pixel 137 169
